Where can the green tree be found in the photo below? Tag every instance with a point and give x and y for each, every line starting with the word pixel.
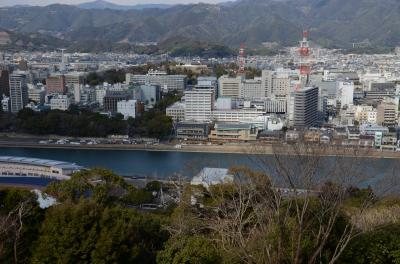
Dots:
pixel 189 250
pixel 378 246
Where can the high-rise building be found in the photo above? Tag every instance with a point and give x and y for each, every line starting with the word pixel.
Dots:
pixel 18 92
pixel 306 107
pixel 4 83
pixel 229 86
pixel 56 84
pixel 199 105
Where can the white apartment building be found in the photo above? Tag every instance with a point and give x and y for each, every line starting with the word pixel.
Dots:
pixel 60 102
pixel 229 86
pixel 127 108
pixel 199 105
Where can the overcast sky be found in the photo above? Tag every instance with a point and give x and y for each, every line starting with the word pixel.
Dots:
pixel 123 2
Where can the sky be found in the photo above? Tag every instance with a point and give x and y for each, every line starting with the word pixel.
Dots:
pixel 122 2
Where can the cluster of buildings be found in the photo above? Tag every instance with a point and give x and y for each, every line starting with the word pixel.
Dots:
pixel 57 86
pixel 313 94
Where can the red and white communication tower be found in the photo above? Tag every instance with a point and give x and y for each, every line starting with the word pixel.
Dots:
pixel 242 60
pixel 304 52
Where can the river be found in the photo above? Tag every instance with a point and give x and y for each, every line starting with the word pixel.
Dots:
pixel 162 164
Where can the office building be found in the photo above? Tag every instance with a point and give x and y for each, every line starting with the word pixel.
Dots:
pixel 112 98
pixel 233 132
pixel 207 83
pixel 229 86
pixel 252 89
pixel 199 105
pixel 387 114
pixel 189 130
pixel 18 92
pixel 161 78
pixel 306 107
pixel 56 84
pixel 275 84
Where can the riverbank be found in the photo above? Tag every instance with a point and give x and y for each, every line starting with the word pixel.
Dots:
pixel 228 148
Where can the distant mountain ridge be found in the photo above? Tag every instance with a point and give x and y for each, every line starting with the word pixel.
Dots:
pixel 100 4
pixel 332 23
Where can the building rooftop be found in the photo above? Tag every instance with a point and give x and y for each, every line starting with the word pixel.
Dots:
pixel 40 162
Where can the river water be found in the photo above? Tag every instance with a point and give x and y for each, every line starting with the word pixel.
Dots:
pixel 163 164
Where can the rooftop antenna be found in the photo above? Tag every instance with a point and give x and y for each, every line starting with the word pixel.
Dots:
pixel 304 52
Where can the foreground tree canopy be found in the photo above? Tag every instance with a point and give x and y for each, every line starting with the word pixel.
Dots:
pixel 251 220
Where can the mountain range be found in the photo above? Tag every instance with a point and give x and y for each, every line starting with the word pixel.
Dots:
pixel 332 23
pixel 100 4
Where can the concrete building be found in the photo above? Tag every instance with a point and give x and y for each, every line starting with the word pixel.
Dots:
pixel 275 84
pixel 176 111
pixel 60 102
pixel 161 78
pixel 233 132
pixel 236 115
pixel 188 130
pixel 387 114
pixel 56 84
pixel 112 98
pixel 199 105
pixel 127 108
pixel 74 78
pixel 150 94
pixel 37 95
pixel 229 86
pixel 345 92
pixel 252 89
pixel 306 107
pixel 18 92
pixel 273 105
pixel 207 83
